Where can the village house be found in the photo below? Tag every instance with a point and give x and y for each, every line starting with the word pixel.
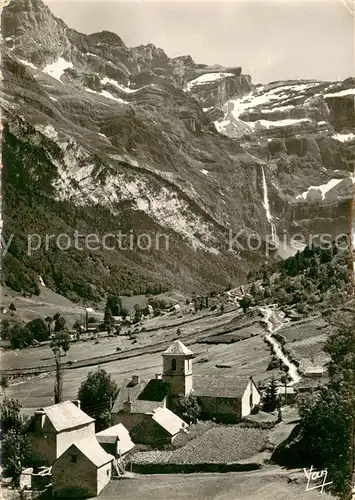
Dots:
pixel 83 470
pixel 158 428
pixel 115 440
pixel 53 429
pixel 137 398
pixel 224 398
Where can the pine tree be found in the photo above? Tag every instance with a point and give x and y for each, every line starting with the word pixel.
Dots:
pixel 271 399
pixel 58 387
pixel 245 303
pixel 108 318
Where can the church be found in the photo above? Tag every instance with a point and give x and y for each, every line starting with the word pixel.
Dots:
pixel 226 399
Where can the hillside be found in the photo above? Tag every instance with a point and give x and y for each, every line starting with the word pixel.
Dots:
pixel 100 138
pixel 313 279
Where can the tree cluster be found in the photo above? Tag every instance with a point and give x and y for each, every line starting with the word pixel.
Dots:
pixel 314 276
pixel 15 441
pixel 97 394
pixel 323 437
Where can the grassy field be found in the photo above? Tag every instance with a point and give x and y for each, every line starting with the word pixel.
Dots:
pixel 247 357
pixel 304 329
pixel 267 484
pixel 160 329
pixel 43 305
pixel 309 352
pixel 219 444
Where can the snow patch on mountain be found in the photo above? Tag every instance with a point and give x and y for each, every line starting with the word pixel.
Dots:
pixel 341 93
pixel 106 94
pixel 263 100
pixel 27 63
pixel 323 189
pixel 279 108
pixel 56 69
pixel 128 90
pixel 207 78
pixel 267 124
pixel 344 137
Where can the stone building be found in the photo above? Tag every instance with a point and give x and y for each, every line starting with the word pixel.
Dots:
pixel 53 429
pixel 177 368
pixel 158 428
pixel 223 398
pixel 83 470
pixel 226 399
pixel 137 398
pixel 116 440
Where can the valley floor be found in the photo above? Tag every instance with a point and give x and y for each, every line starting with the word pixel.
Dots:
pixel 267 484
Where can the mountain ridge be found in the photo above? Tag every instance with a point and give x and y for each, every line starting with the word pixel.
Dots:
pixel 129 138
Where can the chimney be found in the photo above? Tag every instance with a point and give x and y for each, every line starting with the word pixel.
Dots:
pixel 39 419
pixel 158 376
pixel 127 406
pixel 76 402
pixel 135 379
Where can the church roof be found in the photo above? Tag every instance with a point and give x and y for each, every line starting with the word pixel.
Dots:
pixel 145 396
pixel 177 348
pixel 222 387
pixel 155 390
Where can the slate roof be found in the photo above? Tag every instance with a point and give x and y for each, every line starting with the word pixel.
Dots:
pixel 127 391
pixel 140 406
pixel 169 421
pixel 66 415
pixel 93 451
pixel 146 396
pixel 155 390
pixel 219 386
pixel 177 348
pixel 113 433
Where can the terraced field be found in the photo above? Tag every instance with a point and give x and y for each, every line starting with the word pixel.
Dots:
pixel 305 341
pixel 247 357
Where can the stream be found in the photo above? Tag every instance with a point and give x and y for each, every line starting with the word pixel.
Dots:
pixel 274 321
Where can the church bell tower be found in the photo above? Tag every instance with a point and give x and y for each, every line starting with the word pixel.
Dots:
pixel 177 368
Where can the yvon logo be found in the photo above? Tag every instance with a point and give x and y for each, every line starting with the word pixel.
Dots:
pixel 316 479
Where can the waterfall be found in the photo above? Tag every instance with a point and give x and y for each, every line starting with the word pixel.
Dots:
pixel 267 207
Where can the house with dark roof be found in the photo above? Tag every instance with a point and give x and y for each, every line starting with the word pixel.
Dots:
pixel 223 398
pixel 137 398
pixel 83 470
pixel 53 429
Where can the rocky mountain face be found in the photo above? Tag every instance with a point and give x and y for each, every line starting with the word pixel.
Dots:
pixel 100 138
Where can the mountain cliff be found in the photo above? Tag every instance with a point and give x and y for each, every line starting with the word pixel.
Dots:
pixel 100 138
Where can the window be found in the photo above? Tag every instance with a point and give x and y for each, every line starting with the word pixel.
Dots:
pixel 173 365
pixel 108 472
pixel 73 458
pixel 251 400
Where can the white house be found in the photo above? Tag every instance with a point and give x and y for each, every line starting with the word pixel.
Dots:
pixel 54 428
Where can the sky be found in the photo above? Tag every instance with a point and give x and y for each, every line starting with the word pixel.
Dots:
pixel 271 40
